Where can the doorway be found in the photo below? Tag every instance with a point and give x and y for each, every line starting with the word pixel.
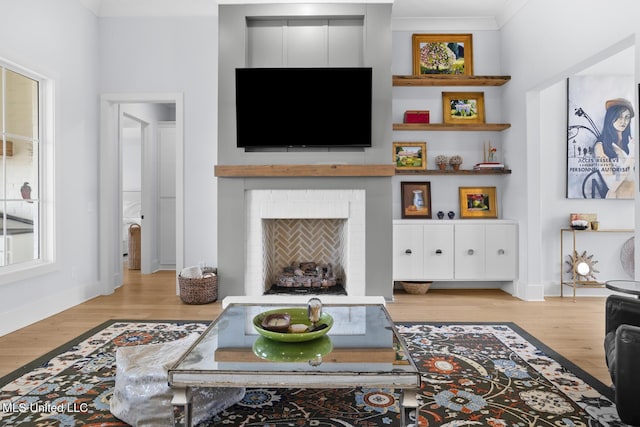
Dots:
pixel 111 177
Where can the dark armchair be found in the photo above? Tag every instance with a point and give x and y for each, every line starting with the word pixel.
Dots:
pixel 622 351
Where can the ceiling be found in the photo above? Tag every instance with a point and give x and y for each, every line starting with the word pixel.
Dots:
pixel 477 14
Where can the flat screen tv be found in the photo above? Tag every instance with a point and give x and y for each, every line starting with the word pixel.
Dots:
pixel 303 107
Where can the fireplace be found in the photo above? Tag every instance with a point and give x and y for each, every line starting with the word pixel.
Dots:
pixel 324 227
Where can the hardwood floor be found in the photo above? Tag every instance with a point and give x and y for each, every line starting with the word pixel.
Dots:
pixel 573 329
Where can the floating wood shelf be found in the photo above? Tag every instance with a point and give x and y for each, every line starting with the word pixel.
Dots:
pixel 454 172
pixel 449 80
pixel 486 127
pixel 239 171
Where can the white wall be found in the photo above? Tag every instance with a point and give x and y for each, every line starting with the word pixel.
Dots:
pixel 546 42
pixel 59 40
pixel 161 55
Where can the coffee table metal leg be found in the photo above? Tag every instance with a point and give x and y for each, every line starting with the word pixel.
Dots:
pixel 181 405
pixel 408 402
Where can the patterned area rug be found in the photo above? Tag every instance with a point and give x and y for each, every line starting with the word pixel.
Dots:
pixel 472 375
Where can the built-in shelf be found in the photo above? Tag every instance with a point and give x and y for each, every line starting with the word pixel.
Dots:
pixel 454 172
pixel 240 171
pixel 449 80
pixel 475 127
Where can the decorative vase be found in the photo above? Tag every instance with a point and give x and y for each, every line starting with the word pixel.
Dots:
pixel 418 201
pixel 440 214
pixel 456 167
pixel 451 214
pixel 25 191
pixel 442 166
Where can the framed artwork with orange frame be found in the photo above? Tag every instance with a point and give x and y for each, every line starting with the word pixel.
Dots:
pixel 442 54
pixel 478 202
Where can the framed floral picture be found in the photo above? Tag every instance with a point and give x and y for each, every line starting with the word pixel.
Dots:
pixel 478 202
pixel 416 200
pixel 410 155
pixel 462 107
pixel 442 54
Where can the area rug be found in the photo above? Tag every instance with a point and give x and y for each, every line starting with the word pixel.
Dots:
pixel 472 375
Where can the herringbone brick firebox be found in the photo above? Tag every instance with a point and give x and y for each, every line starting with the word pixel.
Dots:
pixel 292 226
pixel 289 242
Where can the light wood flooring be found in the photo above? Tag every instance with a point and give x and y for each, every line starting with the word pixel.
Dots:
pixel 573 329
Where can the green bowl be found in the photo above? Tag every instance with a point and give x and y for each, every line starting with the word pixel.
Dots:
pixel 298 315
pixel 275 351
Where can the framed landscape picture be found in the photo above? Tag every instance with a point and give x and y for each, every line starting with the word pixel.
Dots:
pixel 416 200
pixel 410 155
pixel 462 107
pixel 478 202
pixel 442 54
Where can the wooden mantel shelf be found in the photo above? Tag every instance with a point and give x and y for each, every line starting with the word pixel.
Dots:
pixel 243 171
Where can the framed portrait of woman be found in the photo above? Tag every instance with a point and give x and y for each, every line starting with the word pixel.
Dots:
pixel 600 147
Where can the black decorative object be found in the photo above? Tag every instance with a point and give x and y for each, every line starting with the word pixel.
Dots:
pixel 451 214
pixel 440 214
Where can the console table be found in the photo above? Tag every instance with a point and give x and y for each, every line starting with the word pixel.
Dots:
pixel 575 282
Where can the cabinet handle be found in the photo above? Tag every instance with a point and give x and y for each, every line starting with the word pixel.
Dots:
pixel 500 251
pixel 408 251
pixel 438 251
pixel 470 252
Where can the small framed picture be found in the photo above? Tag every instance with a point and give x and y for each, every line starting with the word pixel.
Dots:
pixel 410 155
pixel 462 107
pixel 478 202
pixel 442 54
pixel 416 200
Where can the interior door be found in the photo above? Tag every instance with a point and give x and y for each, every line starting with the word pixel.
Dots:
pixel 167 190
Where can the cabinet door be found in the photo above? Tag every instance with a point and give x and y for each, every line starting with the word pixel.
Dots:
pixel 407 252
pixel 501 252
pixel 469 252
pixel 438 252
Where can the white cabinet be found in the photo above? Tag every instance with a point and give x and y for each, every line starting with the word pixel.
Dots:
pixel 408 252
pixel 438 261
pixel 454 250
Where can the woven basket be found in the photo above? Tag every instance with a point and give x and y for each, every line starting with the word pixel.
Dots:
pixel 203 290
pixel 416 288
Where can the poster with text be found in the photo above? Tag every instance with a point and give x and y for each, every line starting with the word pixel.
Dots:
pixel 600 146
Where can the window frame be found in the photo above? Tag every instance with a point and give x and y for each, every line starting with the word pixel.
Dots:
pixel 47 228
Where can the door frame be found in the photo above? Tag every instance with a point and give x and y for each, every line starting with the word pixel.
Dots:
pixel 110 177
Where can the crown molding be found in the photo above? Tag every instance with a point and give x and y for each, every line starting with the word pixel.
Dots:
pixel 113 8
pixel 444 24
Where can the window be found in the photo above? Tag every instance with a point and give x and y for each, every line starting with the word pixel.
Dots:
pixel 21 213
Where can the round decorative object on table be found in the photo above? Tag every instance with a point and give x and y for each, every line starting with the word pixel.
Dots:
pixel 440 214
pixel 297 316
pixel 416 288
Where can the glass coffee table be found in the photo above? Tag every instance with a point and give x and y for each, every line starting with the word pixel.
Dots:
pixel 362 348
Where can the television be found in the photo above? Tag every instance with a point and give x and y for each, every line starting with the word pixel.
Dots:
pixel 303 107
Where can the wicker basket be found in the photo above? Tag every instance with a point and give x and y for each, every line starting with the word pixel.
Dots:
pixel 203 290
pixel 416 288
